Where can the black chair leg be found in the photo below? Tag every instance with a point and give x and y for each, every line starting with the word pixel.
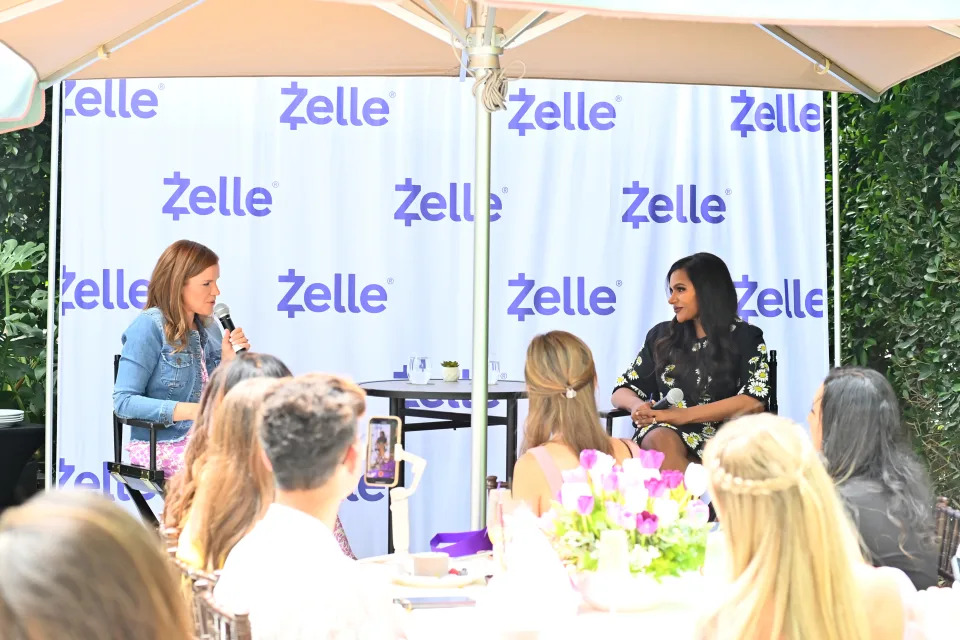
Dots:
pixel 149 517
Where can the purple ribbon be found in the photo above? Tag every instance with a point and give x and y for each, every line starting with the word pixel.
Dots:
pixel 457 545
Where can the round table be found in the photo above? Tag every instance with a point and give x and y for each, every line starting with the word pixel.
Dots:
pixel 431 396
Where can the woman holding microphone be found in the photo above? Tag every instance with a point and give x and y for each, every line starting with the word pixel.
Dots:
pixel 169 351
pixel 716 359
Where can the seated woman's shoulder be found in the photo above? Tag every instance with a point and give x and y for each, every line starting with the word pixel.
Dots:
pixel 884 591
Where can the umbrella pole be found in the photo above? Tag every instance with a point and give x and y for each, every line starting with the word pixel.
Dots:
pixel 49 461
pixel 835 186
pixel 481 302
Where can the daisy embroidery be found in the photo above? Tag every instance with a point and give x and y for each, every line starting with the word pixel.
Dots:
pixel 762 348
pixel 632 375
pixel 709 432
pixel 692 439
pixel 761 374
pixel 754 360
pixel 621 380
pixel 758 390
pixel 681 405
pixel 638 361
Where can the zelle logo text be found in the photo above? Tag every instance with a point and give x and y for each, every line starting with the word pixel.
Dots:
pixel 228 198
pixel 783 115
pixel 433 206
pixel 572 113
pixel 648 206
pixel 771 302
pixel 572 297
pixel 343 110
pixel 344 296
pixel 114 101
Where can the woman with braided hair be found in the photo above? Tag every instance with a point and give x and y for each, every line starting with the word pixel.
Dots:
pixel 792 554
pixel 562 421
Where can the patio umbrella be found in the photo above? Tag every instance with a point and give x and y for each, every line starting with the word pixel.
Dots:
pixel 833 45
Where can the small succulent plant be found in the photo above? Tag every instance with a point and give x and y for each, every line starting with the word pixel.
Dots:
pixel 450 363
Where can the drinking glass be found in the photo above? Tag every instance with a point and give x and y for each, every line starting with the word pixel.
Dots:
pixel 418 371
pixel 494 374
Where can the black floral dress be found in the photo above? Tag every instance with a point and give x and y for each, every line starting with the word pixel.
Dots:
pixel 651 381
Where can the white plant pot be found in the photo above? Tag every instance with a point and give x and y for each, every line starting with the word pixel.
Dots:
pixel 451 374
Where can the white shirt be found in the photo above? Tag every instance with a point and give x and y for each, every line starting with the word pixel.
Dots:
pixel 291 576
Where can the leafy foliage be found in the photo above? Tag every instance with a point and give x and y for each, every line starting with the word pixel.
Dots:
pixel 24 202
pixel 900 250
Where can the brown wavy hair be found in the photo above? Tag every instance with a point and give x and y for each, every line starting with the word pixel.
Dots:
pixel 178 263
pixel 75 565
pixel 236 487
pixel 558 361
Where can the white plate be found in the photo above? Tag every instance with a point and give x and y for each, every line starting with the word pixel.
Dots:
pixel 446 582
pixel 10 413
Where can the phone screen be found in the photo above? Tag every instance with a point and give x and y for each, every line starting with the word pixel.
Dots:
pixel 382 436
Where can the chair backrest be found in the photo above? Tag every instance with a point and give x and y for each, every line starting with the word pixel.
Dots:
pixel 117 422
pixel 948 538
pixel 216 623
pixel 773 405
pixel 192 583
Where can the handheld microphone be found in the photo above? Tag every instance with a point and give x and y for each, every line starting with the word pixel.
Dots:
pixel 222 312
pixel 672 399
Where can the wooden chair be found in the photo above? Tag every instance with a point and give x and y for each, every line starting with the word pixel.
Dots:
pixel 948 538
pixel 215 623
pixel 772 405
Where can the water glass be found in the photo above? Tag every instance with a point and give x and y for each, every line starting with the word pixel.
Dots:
pixel 494 374
pixel 418 371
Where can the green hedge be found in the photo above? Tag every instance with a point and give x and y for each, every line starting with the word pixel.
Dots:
pixel 900 253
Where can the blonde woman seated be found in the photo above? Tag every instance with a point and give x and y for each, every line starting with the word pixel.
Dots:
pixel 562 421
pixel 235 486
pixel 793 555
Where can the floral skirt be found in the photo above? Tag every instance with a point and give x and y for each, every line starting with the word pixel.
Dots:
pixel 693 435
pixel 169 455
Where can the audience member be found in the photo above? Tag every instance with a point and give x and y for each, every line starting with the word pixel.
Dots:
pixel 74 565
pixel 289 573
pixel 855 422
pixel 562 421
pixel 795 567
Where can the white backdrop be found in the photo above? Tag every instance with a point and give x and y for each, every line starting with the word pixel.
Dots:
pixel 366 180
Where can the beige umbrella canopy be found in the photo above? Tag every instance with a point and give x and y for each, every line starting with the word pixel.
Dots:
pixel 842 45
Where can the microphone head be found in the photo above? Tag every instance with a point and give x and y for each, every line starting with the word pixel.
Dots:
pixel 674 396
pixel 222 310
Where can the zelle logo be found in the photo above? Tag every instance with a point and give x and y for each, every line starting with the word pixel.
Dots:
pixel 110 290
pixel 113 102
pixel 549 115
pixel 228 198
pixel 433 206
pixel 342 297
pixel 660 208
pixel 772 302
pixel 436 404
pixel 549 300
pixel 779 116
pixel 342 110
pixel 90 480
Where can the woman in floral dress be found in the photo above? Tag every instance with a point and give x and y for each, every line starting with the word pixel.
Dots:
pixel 716 359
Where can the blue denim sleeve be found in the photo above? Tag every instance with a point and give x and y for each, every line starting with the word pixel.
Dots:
pixel 139 357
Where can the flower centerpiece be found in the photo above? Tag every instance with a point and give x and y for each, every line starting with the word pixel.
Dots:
pixel 655 518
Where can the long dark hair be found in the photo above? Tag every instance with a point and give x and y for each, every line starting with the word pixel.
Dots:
pixel 717 302
pixel 183 486
pixel 864 441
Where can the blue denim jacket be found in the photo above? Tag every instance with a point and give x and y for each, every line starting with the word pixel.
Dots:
pixel 152 378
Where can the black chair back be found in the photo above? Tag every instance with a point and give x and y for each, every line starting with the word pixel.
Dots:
pixel 137 479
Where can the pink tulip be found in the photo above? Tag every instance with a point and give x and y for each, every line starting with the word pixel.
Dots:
pixel 588 458
pixel 646 523
pixel 585 505
pixel 655 487
pixel 672 479
pixel 651 458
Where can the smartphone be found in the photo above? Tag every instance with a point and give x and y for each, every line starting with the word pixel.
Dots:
pixel 383 434
pixel 435 602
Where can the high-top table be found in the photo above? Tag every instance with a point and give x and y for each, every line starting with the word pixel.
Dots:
pixel 17 445
pixel 399 391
